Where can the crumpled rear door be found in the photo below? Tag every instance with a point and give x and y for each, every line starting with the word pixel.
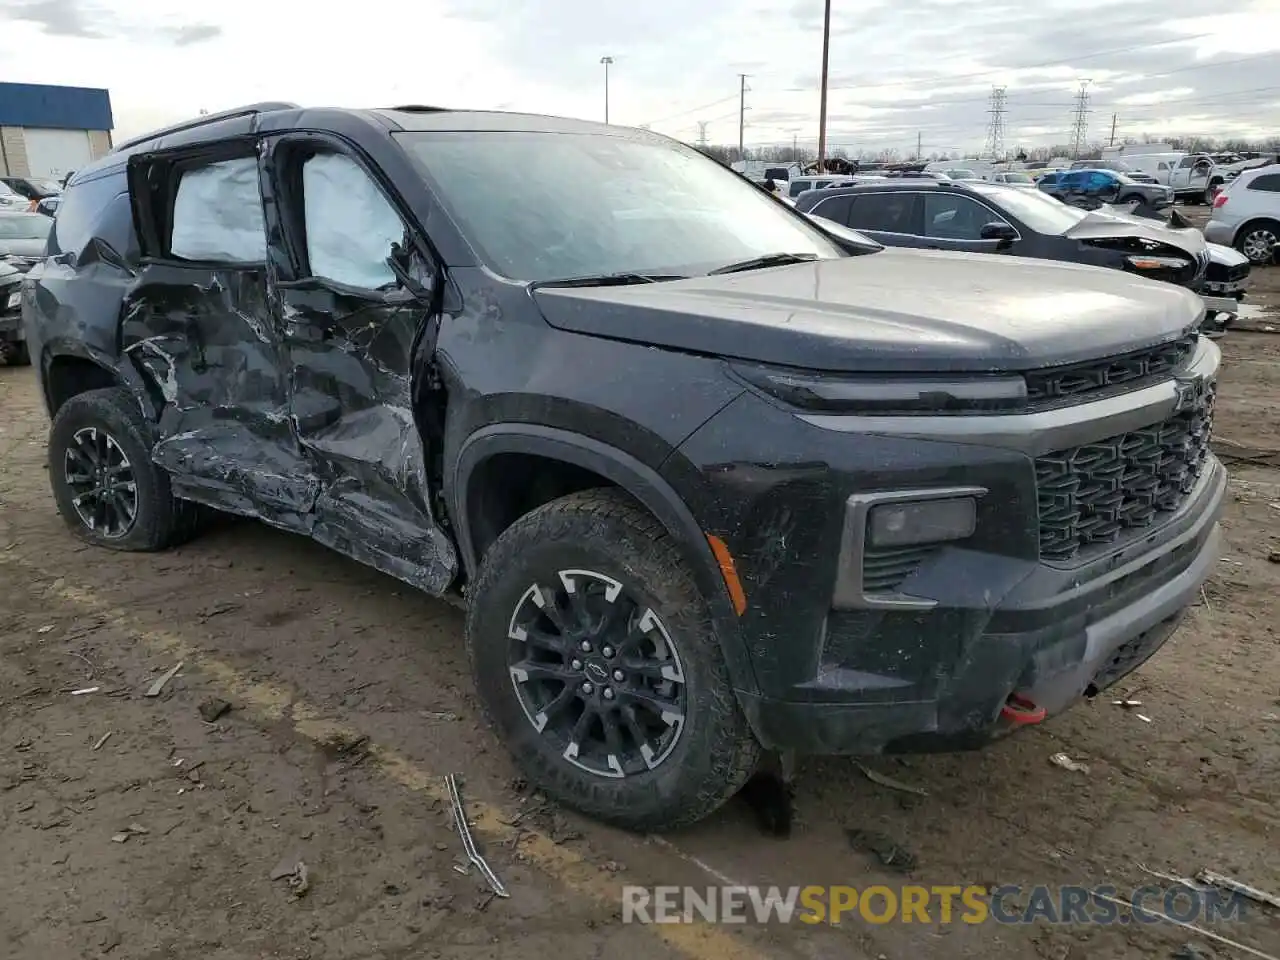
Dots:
pixel 198 325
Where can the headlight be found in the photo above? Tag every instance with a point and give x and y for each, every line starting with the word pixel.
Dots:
pixel 887 394
pixel 1145 262
pixel 15 300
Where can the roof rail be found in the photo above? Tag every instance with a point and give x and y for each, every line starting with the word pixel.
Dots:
pixel 246 111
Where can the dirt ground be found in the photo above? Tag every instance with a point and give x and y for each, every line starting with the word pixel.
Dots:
pixel 131 827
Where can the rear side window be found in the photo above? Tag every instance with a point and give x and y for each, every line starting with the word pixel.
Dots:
pixel 86 211
pixel 217 214
pixel 887 212
pixel 1269 183
pixel 834 208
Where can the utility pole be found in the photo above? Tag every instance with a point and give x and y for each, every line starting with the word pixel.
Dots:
pixel 1113 130
pixel 702 133
pixel 995 129
pixel 606 61
pixel 822 109
pixel 919 145
pixel 1080 121
pixel 742 114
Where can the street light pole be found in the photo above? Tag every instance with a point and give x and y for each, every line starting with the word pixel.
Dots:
pixel 606 61
pixel 822 110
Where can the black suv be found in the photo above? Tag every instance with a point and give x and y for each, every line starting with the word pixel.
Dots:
pixel 711 480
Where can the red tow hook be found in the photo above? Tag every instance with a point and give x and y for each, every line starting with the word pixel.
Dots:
pixel 1020 711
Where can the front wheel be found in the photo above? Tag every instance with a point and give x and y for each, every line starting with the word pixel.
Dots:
pixel 107 488
pixel 595 657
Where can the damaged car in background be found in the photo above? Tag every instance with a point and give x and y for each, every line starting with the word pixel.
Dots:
pixel 995 219
pixel 713 484
pixel 13 343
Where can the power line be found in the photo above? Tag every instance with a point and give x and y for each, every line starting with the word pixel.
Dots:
pixel 995 129
pixel 705 106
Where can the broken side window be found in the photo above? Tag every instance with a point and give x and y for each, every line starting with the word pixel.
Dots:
pixel 217 214
pixel 350 225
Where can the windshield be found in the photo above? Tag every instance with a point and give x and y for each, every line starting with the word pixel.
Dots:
pixel 1040 212
pixel 24 227
pixel 7 191
pixel 1015 178
pixel 1124 177
pixel 962 175
pixel 550 206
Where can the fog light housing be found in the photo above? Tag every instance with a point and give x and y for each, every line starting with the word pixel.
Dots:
pixel 912 522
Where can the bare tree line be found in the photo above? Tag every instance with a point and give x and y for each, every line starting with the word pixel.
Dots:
pixel 803 155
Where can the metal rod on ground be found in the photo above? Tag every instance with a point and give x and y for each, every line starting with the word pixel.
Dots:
pixel 468 844
pixel 822 110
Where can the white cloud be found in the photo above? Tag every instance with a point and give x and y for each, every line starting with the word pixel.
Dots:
pixel 898 70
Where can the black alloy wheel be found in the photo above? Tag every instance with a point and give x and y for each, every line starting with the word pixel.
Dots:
pixel 597 673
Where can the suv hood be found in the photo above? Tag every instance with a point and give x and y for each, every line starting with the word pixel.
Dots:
pixel 897 310
pixel 1099 225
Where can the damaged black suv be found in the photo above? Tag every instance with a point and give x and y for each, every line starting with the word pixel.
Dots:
pixel 714 480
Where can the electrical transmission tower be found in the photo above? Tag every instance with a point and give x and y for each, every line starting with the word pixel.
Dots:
pixel 1080 120
pixel 995 129
pixel 702 133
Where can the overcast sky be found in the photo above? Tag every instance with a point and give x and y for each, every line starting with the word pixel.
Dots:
pixel 899 67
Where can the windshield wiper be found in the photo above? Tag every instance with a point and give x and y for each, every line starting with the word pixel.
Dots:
pixel 607 280
pixel 768 260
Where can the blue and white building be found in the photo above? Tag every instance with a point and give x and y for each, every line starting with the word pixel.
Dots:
pixel 48 131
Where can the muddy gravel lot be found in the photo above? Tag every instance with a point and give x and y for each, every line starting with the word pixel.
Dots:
pixel 134 826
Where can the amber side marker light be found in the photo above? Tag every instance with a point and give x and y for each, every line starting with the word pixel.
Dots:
pixel 729 572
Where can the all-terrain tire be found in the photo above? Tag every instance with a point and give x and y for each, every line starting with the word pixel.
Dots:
pixel 161 520
pixel 608 532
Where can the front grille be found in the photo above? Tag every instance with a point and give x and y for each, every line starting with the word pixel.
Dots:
pixel 1092 495
pixel 1077 378
pixel 1202 264
pixel 884 568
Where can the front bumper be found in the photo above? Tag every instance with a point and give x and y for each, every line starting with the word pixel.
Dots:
pixel 844 665
pixel 10 326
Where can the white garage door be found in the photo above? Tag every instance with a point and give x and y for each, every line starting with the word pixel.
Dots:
pixel 55 153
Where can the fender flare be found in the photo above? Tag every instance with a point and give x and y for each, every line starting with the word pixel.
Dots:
pixel 123 373
pixel 638 479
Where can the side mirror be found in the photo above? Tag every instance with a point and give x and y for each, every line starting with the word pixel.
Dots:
pixel 1002 232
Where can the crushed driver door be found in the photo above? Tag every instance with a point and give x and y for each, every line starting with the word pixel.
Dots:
pixel 198 326
pixel 354 321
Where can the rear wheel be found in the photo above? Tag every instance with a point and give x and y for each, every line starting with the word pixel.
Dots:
pixel 107 488
pixel 595 657
pixel 1257 240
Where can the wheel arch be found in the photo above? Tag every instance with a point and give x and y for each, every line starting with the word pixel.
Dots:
pixel 614 467
pixel 68 368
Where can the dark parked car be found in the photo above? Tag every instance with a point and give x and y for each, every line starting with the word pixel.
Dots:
pixel 13 344
pixel 709 480
pixel 991 218
pixel 22 238
pixel 33 188
pixel 1092 187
